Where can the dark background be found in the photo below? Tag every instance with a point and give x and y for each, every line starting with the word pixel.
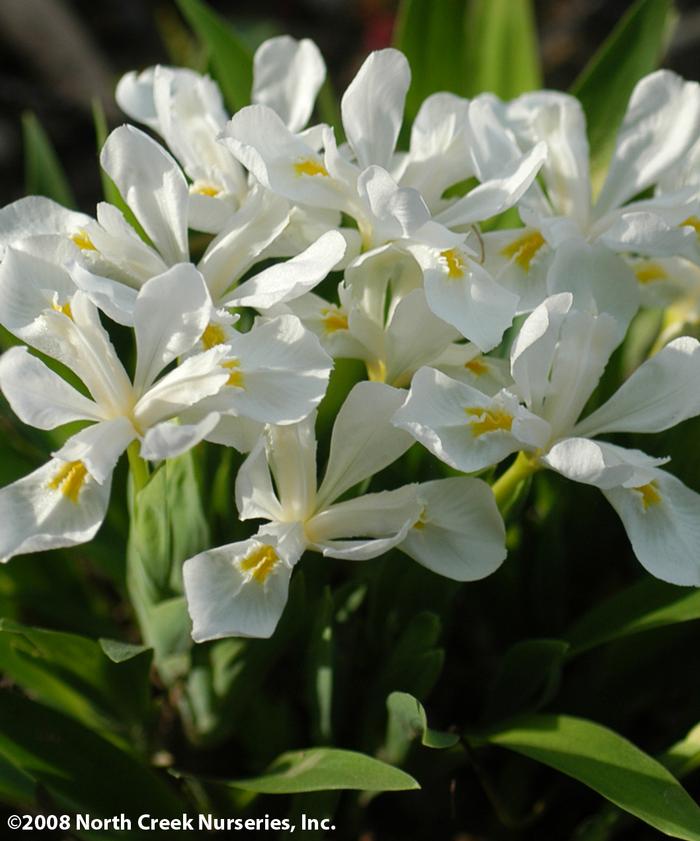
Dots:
pixel 58 54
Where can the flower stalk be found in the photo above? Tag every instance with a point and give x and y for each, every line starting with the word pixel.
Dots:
pixel 138 467
pixel 507 485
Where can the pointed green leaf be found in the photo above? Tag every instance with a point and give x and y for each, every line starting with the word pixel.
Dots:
pixel 645 605
pixel 431 35
pixel 329 108
pixel 633 49
pixel 81 770
pixel 609 764
pixel 120 652
pixel 501 50
pixel 16 787
pixel 326 769
pixel 683 757
pixel 232 61
pixel 168 526
pixel 73 674
pixel 44 174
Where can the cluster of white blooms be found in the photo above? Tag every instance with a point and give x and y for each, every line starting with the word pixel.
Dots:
pixel 432 304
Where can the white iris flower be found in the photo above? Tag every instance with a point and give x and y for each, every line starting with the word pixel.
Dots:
pixel 556 362
pixel 452 527
pixel 64 502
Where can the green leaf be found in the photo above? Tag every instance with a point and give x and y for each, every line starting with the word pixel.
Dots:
pixel 408 721
pixel 467 47
pixel 232 61
pixel 633 49
pixel 328 108
pixel 16 787
pixel 607 763
pixel 431 35
pixel 44 174
pixel 79 768
pixel 529 677
pixel 120 652
pixel 183 48
pixel 683 757
pixel 109 189
pixel 501 51
pixel 645 605
pixel 167 527
pixel 73 674
pixel 326 769
pixel 320 669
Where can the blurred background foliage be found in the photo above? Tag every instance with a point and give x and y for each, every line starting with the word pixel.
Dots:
pixel 569 626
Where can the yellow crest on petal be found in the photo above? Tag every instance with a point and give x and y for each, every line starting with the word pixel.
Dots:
pixel 64 308
pixel 236 376
pixel 261 561
pixel 524 249
pixel 204 189
pixel 477 366
pixel 69 479
pixel 648 271
pixel 83 241
pixel 308 166
pixel 454 262
pixel 334 319
pixel 484 420
pixel 650 494
pixel 213 335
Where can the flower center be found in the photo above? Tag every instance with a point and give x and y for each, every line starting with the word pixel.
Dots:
pixel 236 376
pixel 650 494
pixel 204 189
pixel 83 241
pixel 477 366
pixel 260 562
pixel 69 479
pixel 488 420
pixel 524 249
pixel 64 308
pixel 333 319
pixel 649 271
pixel 308 166
pixel 454 262
pixel 212 336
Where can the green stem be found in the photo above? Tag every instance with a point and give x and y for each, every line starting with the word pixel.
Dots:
pixel 505 487
pixel 138 467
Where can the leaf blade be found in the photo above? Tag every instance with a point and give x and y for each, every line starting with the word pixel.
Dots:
pixel 502 54
pixel 326 769
pixel 609 764
pixel 232 61
pixel 44 174
pixel 633 49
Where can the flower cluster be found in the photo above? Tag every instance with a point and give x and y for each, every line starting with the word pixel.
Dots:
pixel 480 340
